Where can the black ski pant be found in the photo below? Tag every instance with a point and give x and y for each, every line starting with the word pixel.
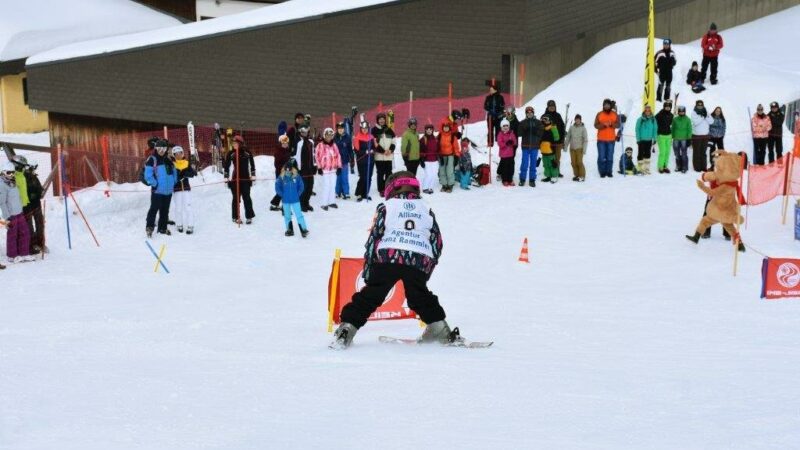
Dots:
pixel 366 167
pixel 276 200
pixel 664 85
pixel 774 148
pixel 760 150
pixel 506 170
pixel 709 60
pixel 305 197
pixel 644 149
pixel 244 195
pixel 412 166
pixel 699 152
pixel 35 219
pixel 384 169
pixel 382 278
pixel 159 204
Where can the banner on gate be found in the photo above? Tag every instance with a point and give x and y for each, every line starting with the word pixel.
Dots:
pixel 780 278
pixel 350 281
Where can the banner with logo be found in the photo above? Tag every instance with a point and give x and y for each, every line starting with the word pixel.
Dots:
pixel 780 278
pixel 350 282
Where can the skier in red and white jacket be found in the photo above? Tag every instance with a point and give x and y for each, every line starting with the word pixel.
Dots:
pixel 711 44
pixel 404 244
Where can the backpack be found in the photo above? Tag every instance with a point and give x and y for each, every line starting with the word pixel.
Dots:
pixel 141 171
pixel 483 175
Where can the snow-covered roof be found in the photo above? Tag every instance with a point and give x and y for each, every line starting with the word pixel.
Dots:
pixel 32 26
pixel 293 10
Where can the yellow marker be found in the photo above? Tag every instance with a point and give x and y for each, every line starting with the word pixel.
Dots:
pixel 160 255
pixel 334 288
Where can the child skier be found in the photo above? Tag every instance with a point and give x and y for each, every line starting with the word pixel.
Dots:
pixel 18 239
pixel 549 137
pixel 183 191
pixel 626 164
pixel 465 164
pixel 289 186
pixel 429 158
pixel 404 244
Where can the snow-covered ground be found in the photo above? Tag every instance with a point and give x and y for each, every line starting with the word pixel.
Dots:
pixel 619 334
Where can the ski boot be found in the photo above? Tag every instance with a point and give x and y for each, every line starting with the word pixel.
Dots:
pixel 180 229
pixel 694 238
pixel 532 183
pixel 275 208
pixel 249 222
pixel 324 208
pixel 547 180
pixel 436 332
pixel 521 183
pixel 343 336
pixel 334 206
pixel 165 232
pixel 149 231
pixel 190 230
pixel 303 232
pixel 289 231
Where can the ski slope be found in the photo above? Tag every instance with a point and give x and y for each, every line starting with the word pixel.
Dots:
pixel 619 334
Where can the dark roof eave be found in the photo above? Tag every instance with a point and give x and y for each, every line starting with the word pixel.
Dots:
pixel 12 67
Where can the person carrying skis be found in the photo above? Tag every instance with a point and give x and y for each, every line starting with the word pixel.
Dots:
pixel 711 45
pixel 664 135
pixel 558 122
pixel 409 146
pixel 761 126
pixel 681 134
pixel 244 172
pixel 494 105
pixel 344 142
pixel 289 187
pixel 18 239
pixel 530 130
pixel 429 153
pixel 384 150
pixel 664 63
pixel 159 174
pixel 606 122
pixel 364 147
pixel 626 164
pixel 701 123
pixel 549 138
pixel 183 191
pixel 646 129
pixel 282 156
pixel 777 114
pixel 695 79
pixel 405 243
pixel 577 140
pixel 449 146
pixel 507 143
pixel 329 165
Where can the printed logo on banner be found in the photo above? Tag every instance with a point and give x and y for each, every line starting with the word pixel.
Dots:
pixel 788 275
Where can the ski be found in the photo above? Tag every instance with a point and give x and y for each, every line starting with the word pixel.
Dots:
pixel 459 342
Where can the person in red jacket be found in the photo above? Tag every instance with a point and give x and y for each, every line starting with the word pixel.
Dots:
pixel 711 44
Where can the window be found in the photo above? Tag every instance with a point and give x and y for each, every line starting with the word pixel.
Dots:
pixel 25 90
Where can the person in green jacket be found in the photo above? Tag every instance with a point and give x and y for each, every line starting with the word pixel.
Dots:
pixel 681 135
pixel 645 138
pixel 20 163
pixel 409 146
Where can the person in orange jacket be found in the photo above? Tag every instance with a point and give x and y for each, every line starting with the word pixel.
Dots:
pixel 449 150
pixel 606 122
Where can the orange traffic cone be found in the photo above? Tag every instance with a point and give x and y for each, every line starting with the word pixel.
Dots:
pixel 523 255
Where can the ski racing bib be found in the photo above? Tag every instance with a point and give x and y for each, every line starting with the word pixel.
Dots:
pixel 407 227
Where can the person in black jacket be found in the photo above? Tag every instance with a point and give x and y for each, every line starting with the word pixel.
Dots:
pixel 384 150
pixel 664 63
pixel 494 105
pixel 308 168
pixel 183 191
pixel 282 155
pixel 777 114
pixel 244 172
pixel 664 135
pixel 33 212
pixel 530 130
pixel 558 122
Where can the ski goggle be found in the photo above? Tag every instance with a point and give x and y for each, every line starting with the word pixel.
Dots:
pixel 398 183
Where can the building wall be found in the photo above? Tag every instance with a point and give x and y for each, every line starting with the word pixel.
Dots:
pixel 682 20
pixel 16 116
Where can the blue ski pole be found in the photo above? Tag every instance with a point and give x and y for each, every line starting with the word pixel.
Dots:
pixel 62 169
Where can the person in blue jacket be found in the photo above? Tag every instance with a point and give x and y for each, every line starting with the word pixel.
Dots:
pixel 288 187
pixel 161 176
pixel 344 142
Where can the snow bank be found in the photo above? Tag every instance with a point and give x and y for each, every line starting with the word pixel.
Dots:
pixel 282 12
pixel 32 26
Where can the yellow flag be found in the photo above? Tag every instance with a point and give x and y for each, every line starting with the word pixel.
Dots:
pixel 649 96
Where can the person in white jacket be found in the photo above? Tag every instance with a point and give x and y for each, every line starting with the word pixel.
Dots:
pixel 701 121
pixel 329 164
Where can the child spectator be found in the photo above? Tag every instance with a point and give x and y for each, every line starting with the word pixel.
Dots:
pixel 507 142
pixel 549 137
pixel 695 79
pixel 289 186
pixel 626 164
pixel 183 191
pixel 18 239
pixel 465 164
pixel 429 158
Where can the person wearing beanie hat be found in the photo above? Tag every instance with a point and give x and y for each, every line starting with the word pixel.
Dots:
pixel 409 146
pixel 507 143
pixel 561 127
pixel 549 137
pixel 183 191
pixel 695 79
pixel 530 132
pixel 244 172
pixel 289 187
pixel 404 244
pixel 646 129
pixel 681 135
pixel 18 239
pixel 664 135
pixel 344 142
pixel 449 149
pixel 281 157
pixel 494 104
pixel 701 124
pixel 761 127
pixel 711 44
pixel 384 150
pixel 364 148
pixel 777 115
pixel 329 165
pixel 294 132
pixel 577 141
pixel 159 174
pixel 664 63
pixel 606 122
pixel 429 158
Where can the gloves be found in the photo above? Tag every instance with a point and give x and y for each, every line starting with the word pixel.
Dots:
pixel 339 171
pixel 422 163
pixel 391 147
pixel 319 171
